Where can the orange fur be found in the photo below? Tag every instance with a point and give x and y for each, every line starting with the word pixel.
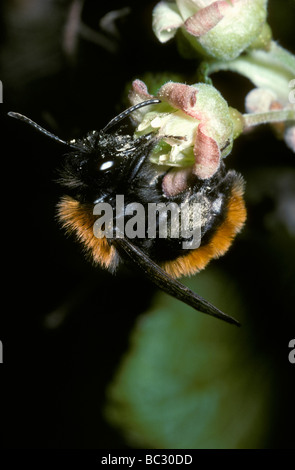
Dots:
pixel 79 218
pixel 220 242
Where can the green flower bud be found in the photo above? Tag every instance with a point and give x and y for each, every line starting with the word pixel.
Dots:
pixel 220 29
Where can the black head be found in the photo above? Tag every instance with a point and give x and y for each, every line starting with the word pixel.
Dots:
pixel 103 164
pixel 96 162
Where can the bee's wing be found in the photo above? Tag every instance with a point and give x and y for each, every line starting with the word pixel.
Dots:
pixel 169 285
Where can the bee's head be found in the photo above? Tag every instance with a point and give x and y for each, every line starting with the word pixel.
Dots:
pixel 101 159
pixel 103 162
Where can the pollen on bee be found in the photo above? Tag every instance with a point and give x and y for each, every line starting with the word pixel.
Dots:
pixel 221 240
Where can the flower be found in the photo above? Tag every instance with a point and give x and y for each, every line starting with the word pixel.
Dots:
pixel 272 101
pixel 219 29
pixel 274 92
pixel 264 100
pixel 193 124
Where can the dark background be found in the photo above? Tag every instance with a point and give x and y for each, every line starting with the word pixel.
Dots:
pixel 64 323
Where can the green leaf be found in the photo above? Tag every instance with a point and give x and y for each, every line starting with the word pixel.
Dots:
pixel 190 381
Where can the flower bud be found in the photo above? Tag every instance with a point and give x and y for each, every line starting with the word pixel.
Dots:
pixel 263 100
pixel 220 29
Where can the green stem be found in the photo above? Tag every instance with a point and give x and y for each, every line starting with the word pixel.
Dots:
pixel 254 119
pixel 273 69
pixel 283 57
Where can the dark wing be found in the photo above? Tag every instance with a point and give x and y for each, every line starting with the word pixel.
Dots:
pixel 169 285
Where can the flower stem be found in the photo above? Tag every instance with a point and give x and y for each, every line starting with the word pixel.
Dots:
pixel 254 119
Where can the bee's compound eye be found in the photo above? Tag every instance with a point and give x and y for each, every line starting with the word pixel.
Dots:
pixel 106 165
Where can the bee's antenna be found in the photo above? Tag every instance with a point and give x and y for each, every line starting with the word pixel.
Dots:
pixel 41 129
pixel 128 111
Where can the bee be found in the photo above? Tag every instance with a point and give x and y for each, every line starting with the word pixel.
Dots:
pixel 102 165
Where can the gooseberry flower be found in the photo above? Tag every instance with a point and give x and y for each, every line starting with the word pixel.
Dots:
pixel 272 101
pixel 264 102
pixel 220 29
pixel 193 124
